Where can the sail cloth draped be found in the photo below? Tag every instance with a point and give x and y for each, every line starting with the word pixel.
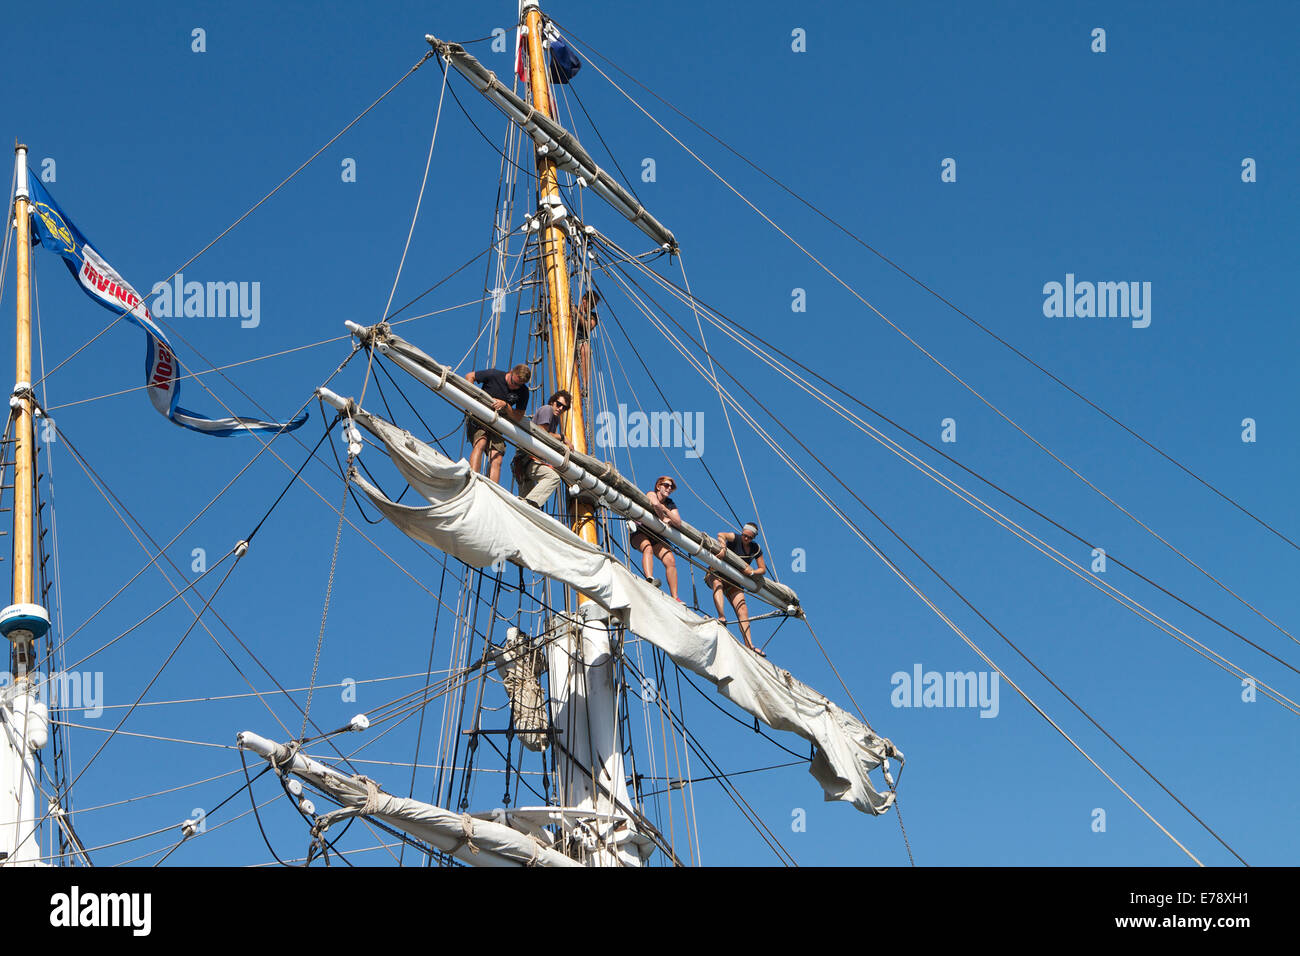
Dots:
pixel 479 522
pixel 99 280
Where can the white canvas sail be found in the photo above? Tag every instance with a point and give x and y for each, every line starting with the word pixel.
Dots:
pixel 478 522
pixel 472 839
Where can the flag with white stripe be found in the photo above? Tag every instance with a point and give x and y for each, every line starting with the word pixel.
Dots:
pixel 55 231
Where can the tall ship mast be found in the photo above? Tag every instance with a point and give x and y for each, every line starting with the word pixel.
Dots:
pixel 24 621
pixel 310 613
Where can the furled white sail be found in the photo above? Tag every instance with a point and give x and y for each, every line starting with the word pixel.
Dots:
pixel 480 523
pixel 472 839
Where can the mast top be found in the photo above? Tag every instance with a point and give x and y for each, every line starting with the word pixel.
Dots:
pixel 20 170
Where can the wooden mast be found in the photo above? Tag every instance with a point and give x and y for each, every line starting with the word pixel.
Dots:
pixel 591 668
pixel 553 247
pixel 23 588
pixel 22 622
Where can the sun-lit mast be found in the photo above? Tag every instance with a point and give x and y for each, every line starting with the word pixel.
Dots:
pixel 554 245
pixel 586 682
pixel 23 621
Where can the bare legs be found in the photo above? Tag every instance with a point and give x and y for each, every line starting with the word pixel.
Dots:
pixel 742 615
pixel 742 611
pixel 584 363
pixel 494 460
pixel 649 550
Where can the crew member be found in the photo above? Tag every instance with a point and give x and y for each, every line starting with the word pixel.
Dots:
pixel 744 546
pixel 509 394
pixel 586 323
pixel 646 541
pixel 538 480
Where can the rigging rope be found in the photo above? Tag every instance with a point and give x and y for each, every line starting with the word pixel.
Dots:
pixel 898 571
pixel 862 242
pixel 998 411
pixel 740 459
pixel 251 209
pixel 329 592
pixel 1117 595
pixel 420 198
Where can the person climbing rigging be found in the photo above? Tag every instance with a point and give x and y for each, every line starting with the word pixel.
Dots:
pixel 646 541
pixel 585 323
pixel 745 547
pixel 509 394
pixel 538 480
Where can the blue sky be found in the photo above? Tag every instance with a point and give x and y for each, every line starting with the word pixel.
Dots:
pixel 1123 165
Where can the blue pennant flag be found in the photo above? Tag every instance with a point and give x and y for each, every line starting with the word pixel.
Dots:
pixel 55 231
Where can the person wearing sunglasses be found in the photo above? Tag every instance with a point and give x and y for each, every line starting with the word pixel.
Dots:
pixel 648 543
pixel 746 548
pixel 538 480
pixel 509 394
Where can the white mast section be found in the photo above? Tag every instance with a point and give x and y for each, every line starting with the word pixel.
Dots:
pixel 590 777
pixel 25 731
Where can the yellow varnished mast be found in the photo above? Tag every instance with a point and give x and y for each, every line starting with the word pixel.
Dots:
pixel 23 452
pixel 588 664
pixel 553 248
pixel 23 621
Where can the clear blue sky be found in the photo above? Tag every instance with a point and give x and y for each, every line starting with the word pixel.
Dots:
pixel 1123 165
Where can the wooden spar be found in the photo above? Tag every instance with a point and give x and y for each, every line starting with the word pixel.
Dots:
pixel 553 243
pixel 23 433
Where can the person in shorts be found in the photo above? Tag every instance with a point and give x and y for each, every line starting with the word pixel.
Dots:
pixel 746 548
pixel 538 480
pixel 509 394
pixel 648 543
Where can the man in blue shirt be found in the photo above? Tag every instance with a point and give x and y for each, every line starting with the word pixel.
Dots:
pixel 509 394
